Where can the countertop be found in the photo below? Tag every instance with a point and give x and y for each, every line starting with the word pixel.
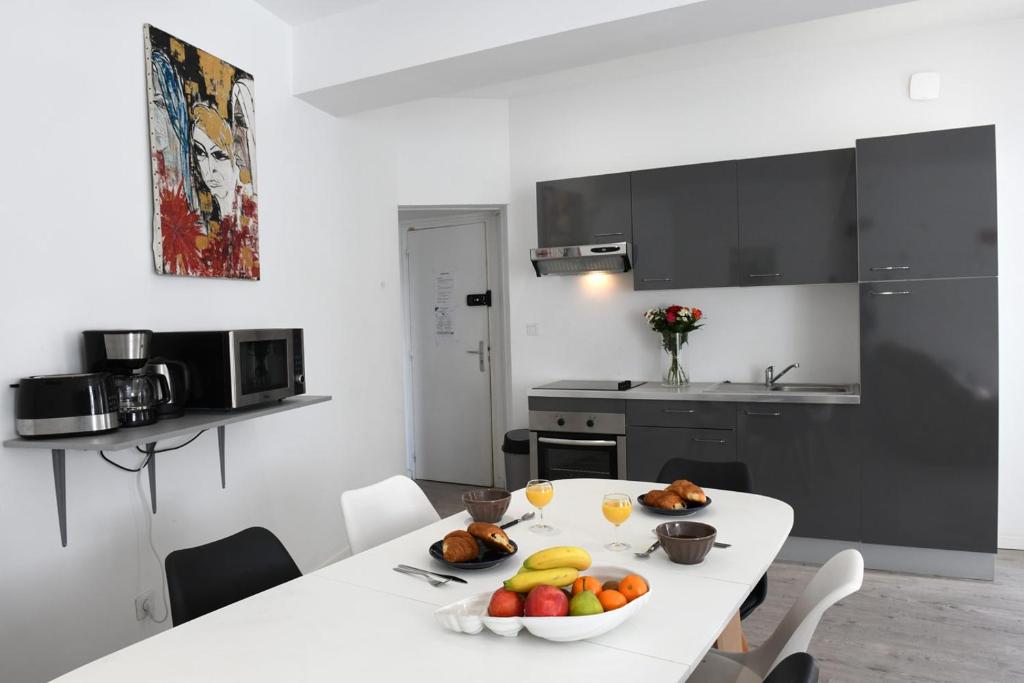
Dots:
pixel 736 392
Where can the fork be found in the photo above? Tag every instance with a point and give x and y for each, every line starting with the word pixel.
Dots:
pixel 432 581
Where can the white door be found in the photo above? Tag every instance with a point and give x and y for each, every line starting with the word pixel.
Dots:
pixel 451 390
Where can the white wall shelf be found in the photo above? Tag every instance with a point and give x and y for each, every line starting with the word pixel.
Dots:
pixel 149 436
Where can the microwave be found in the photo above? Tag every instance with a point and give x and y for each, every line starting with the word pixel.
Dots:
pixel 232 369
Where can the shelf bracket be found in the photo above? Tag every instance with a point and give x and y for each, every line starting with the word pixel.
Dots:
pixel 59 485
pixel 151 469
pixel 220 446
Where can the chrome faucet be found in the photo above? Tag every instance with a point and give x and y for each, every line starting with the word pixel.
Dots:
pixel 771 378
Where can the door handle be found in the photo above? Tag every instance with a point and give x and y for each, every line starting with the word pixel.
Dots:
pixel 676 411
pixel 480 352
pixel 764 275
pixel 592 443
pixel 756 413
pixel 720 442
pixel 891 292
pixel 608 234
pixel 655 279
pixel 877 268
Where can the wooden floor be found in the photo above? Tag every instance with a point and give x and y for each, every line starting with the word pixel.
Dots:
pixel 898 627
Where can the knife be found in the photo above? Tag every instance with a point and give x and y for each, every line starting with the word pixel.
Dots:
pixel 424 571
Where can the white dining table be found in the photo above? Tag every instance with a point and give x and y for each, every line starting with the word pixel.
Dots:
pixel 357 619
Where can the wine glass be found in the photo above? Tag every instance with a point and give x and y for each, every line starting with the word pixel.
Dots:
pixel 540 492
pixel 616 508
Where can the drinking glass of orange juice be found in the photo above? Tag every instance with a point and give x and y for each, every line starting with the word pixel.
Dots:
pixel 616 508
pixel 540 492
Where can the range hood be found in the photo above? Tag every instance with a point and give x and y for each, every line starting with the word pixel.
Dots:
pixel 587 258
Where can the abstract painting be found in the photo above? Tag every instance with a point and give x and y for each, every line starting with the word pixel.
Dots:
pixel 203 150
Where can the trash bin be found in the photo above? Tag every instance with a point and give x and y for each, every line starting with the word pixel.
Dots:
pixel 517 458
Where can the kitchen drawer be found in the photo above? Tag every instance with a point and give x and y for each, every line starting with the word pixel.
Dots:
pixel 710 414
pixel 649 448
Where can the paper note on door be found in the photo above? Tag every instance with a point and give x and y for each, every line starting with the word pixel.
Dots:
pixel 444 310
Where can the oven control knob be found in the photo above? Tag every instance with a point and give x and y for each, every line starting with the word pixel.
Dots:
pixel 590 422
pixel 561 422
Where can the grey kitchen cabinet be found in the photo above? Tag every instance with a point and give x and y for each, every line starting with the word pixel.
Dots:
pixel 684 226
pixel 589 210
pixel 807 456
pixel 927 205
pixel 648 448
pixel 708 414
pixel 930 413
pixel 797 218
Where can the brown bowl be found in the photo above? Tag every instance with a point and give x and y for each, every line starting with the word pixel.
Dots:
pixel 486 505
pixel 686 542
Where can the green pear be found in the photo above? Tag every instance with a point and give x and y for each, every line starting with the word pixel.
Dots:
pixel 584 603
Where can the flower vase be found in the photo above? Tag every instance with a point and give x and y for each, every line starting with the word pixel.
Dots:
pixel 675 376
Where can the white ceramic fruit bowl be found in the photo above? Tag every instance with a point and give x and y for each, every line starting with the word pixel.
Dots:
pixel 470 615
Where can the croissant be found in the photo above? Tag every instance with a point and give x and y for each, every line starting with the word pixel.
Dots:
pixel 459 546
pixel 688 491
pixel 492 536
pixel 665 500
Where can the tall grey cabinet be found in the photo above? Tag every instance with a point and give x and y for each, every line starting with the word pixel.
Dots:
pixel 929 339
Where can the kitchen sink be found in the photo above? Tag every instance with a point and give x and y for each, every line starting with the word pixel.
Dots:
pixel 812 388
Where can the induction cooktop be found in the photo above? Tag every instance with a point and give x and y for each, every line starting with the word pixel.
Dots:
pixel 592 385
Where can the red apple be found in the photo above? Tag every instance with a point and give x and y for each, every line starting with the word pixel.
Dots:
pixel 505 603
pixel 547 601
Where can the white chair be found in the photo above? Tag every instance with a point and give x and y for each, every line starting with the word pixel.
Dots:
pixel 385 510
pixel 839 577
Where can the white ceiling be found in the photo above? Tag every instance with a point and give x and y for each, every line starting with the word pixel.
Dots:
pixel 297 12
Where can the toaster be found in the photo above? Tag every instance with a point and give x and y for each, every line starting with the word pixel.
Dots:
pixel 60 405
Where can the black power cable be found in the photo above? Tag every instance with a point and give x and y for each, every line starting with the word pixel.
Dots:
pixel 148 454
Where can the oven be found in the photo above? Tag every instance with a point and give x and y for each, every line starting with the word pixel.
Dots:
pixel 572 445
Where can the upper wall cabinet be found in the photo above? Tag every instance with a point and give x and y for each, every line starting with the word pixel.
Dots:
pixel 684 227
pixel 798 218
pixel 927 204
pixel 590 210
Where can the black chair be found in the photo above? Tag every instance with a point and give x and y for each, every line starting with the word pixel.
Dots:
pixel 730 476
pixel 799 667
pixel 208 577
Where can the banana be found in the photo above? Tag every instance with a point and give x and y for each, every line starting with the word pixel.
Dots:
pixel 559 576
pixel 560 556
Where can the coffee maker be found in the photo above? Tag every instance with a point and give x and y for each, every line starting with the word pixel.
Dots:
pixel 124 353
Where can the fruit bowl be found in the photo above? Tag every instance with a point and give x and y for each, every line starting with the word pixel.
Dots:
pixel 470 616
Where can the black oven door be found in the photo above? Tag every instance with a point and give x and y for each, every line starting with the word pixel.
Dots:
pixel 576 456
pixel 262 366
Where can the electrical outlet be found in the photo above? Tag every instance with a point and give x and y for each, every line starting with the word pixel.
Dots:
pixel 144 605
pixel 532 330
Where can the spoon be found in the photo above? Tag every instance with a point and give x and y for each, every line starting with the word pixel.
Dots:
pixel 529 515
pixel 647 553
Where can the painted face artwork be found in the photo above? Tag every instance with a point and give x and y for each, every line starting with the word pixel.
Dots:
pixel 212 149
pixel 203 149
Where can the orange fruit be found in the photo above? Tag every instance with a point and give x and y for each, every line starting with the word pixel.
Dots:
pixel 611 599
pixel 586 583
pixel 632 587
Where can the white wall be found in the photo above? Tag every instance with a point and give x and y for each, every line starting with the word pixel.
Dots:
pixel 75 215
pixel 815 86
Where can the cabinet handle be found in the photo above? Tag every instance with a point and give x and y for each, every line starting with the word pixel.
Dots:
pixel 877 268
pixel 655 279
pixel 764 275
pixel 679 411
pixel 720 442
pixel 755 413
pixel 891 292
pixel 609 234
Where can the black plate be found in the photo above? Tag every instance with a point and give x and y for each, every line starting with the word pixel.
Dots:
pixel 488 556
pixel 690 508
